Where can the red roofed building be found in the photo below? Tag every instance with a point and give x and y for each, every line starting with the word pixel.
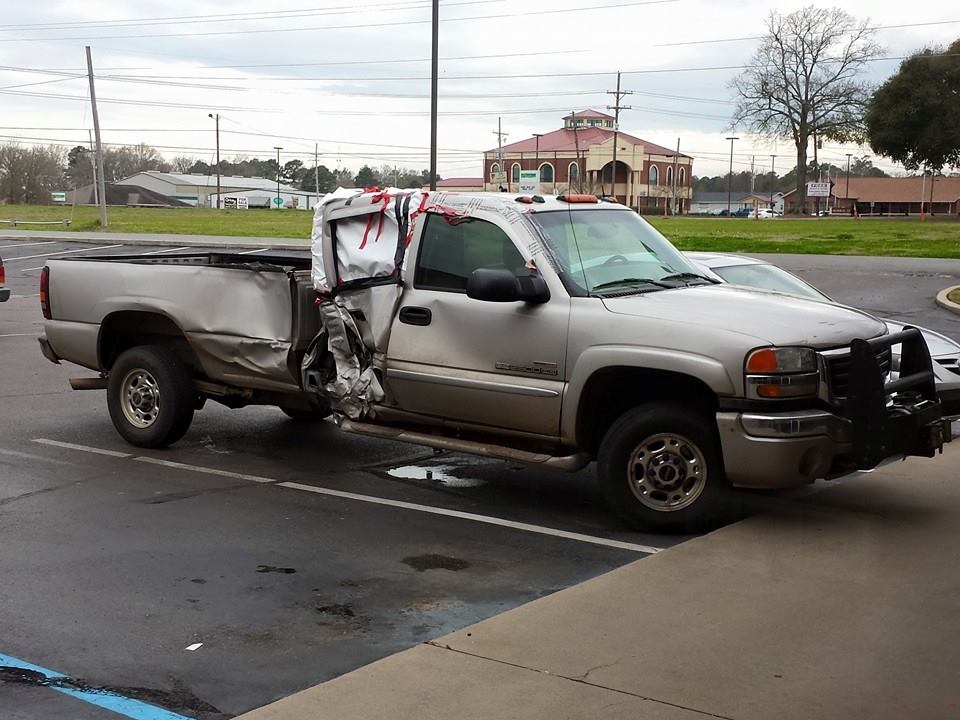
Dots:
pixel 579 158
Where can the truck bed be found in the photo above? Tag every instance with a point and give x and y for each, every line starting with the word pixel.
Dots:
pixel 246 319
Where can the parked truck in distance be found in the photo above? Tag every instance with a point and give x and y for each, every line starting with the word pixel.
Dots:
pixel 547 330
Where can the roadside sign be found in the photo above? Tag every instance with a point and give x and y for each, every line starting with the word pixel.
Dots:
pixel 818 189
pixel 529 182
pixel 242 202
pixel 58 196
pixel 278 201
pixel 498 178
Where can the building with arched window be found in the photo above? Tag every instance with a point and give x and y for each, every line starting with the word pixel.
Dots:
pixel 579 158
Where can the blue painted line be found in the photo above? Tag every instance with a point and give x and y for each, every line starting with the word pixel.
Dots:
pixel 119 704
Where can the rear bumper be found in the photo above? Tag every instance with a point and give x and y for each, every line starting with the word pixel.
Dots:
pixel 877 421
pixel 4 294
pixel 47 351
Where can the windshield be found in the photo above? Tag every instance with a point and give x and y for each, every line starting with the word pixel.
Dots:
pixel 614 250
pixel 768 277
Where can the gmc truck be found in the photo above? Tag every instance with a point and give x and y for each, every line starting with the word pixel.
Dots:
pixel 553 331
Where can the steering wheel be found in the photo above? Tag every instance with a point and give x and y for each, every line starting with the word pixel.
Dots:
pixel 615 259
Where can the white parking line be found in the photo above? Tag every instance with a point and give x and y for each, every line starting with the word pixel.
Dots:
pixel 500 522
pixel 62 252
pixel 251 252
pixel 82 448
pixel 201 469
pixel 168 250
pixel 47 242
pixel 20 335
pixel 416 507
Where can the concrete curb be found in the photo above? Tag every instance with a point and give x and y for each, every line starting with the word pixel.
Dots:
pixel 943 302
pixel 164 240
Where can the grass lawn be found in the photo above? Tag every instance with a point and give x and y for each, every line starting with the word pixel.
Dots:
pixel 182 221
pixel 827 236
pixel 954 296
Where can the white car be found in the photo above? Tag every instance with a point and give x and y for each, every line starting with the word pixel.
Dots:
pixel 750 272
pixel 766 214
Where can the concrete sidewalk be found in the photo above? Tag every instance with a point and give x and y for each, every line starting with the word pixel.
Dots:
pixel 158 239
pixel 843 603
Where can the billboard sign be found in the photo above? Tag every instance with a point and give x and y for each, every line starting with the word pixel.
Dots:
pixel 818 189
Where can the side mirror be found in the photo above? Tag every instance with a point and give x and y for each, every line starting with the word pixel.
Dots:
pixel 500 285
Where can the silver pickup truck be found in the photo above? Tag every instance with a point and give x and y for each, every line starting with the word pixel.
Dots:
pixel 546 330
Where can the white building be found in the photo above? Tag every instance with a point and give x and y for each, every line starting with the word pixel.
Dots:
pixel 197 189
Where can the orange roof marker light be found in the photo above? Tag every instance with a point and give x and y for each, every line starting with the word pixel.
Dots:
pixel 578 198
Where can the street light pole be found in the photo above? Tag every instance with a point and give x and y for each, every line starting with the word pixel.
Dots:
pixel 278 149
pixel 730 175
pixel 536 156
pixel 773 180
pixel 217 121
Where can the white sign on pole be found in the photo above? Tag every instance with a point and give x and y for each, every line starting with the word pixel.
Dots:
pixel 58 196
pixel 529 182
pixel 818 189
pixel 242 202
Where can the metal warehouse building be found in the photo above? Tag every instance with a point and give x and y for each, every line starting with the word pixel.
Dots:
pixel 200 190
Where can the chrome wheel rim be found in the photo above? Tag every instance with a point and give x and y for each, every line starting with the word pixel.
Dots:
pixel 140 398
pixel 667 472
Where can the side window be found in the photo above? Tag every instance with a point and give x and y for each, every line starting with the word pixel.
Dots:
pixel 450 252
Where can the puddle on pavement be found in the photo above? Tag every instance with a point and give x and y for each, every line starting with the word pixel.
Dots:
pixel 443 474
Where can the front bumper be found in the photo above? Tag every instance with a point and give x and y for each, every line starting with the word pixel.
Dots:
pixel 875 422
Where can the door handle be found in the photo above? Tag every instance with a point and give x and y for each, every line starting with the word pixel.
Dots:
pixel 412 315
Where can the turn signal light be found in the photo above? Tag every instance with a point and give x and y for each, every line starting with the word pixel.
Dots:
pixel 762 361
pixel 45 293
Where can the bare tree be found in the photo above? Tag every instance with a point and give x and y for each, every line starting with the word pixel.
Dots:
pixel 803 81
pixel 182 163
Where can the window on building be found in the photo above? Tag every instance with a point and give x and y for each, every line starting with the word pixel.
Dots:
pixel 546 173
pixel 495 168
pixel 515 172
pixel 681 176
pixel 573 173
pixel 670 176
pixel 654 175
pixel 450 252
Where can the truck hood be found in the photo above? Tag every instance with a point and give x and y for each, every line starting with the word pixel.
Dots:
pixel 770 317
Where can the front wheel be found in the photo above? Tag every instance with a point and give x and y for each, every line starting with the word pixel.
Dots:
pixel 661 469
pixel 150 396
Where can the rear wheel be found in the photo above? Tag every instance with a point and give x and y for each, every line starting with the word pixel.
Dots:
pixel 150 396
pixel 661 469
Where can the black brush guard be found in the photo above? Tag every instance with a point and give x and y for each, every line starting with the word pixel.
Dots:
pixel 900 417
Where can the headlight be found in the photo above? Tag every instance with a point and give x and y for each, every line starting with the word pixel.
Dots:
pixel 787 372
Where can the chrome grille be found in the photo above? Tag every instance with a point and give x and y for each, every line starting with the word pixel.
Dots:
pixel 838 370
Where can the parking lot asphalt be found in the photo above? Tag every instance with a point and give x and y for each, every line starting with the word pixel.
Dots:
pixel 114 564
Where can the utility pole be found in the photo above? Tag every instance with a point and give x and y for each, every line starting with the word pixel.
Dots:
pixel 316 172
pixel 216 119
pixel 500 136
pixel 536 156
pixel 676 168
pixel 96 131
pixel 278 149
pixel 433 94
pixel 773 179
pixel 96 191
pixel 616 107
pixel 730 175
pixel 847 193
pixel 923 190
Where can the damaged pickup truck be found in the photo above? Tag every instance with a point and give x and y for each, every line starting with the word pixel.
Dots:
pixel 552 331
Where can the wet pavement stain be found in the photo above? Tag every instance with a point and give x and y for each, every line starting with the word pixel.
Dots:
pixel 178 700
pixel 342 610
pixel 432 561
pixel 275 569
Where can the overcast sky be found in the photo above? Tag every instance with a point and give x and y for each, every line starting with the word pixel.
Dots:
pixel 354 78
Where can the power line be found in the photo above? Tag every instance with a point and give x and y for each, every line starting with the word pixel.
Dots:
pixel 318 28
pixel 234 17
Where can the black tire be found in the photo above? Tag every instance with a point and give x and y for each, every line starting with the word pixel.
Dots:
pixel 701 500
pixel 307 416
pixel 171 385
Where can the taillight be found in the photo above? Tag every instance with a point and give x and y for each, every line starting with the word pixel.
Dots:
pixel 3 273
pixel 45 293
